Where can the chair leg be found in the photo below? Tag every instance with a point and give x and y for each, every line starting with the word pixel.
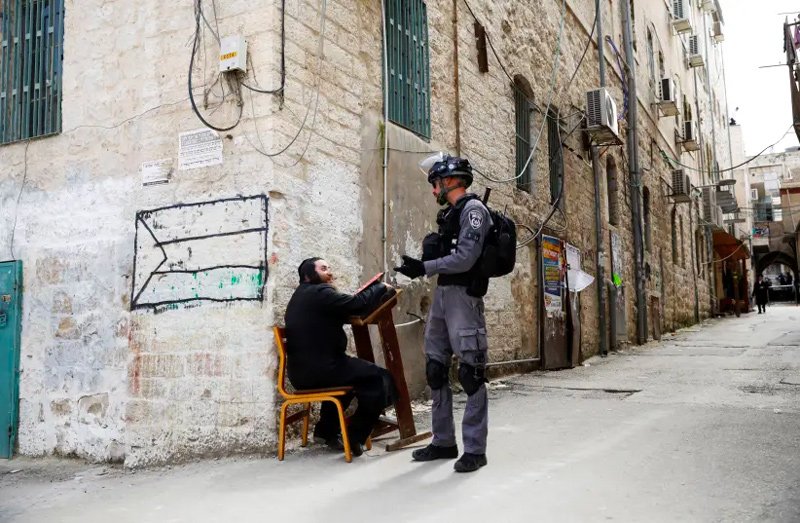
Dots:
pixel 368 443
pixel 348 456
pixel 307 408
pixel 282 431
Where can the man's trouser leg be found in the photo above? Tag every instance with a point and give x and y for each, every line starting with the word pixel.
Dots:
pixel 438 354
pixel 467 328
pixel 369 383
pixel 328 425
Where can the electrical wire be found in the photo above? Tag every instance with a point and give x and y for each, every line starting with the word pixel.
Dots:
pixel 257 89
pixel 555 205
pixel 552 90
pixel 320 51
pixel 19 197
pixel 624 78
pixel 198 15
pixel 123 122
pixel 676 162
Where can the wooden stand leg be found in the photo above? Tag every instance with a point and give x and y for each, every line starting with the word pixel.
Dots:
pixel 394 363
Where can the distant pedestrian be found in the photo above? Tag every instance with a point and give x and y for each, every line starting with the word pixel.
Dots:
pixel 761 293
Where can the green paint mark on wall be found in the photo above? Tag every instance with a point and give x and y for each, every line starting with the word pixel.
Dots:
pixel 235 280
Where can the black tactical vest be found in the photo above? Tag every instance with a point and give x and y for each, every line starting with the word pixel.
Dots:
pixel 449 220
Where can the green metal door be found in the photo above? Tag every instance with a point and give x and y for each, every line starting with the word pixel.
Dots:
pixel 10 324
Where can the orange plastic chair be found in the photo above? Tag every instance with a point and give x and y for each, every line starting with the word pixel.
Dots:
pixel 306 398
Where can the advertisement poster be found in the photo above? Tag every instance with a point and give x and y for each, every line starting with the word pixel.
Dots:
pixel 551 268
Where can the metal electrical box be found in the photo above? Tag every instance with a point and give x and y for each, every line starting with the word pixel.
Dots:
pixel 10 327
pixel 233 54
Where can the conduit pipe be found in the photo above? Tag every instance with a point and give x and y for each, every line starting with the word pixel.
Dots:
pixel 598 222
pixel 385 232
pixel 636 179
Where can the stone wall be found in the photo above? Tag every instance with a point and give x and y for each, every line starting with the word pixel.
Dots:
pixel 162 383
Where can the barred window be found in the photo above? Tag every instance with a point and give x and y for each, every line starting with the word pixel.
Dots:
pixel 408 65
pixel 522 116
pixel 31 43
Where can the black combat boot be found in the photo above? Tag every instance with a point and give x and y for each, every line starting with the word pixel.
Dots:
pixel 470 462
pixel 432 452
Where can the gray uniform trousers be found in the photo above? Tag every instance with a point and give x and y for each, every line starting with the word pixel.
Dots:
pixel 456 325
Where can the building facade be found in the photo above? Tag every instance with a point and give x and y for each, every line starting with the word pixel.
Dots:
pixel 158 252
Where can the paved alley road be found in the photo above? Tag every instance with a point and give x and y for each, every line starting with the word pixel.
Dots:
pixel 703 426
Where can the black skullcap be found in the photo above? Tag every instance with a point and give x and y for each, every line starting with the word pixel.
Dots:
pixel 307 269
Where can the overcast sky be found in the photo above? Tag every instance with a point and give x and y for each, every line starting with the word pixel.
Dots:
pixel 753 38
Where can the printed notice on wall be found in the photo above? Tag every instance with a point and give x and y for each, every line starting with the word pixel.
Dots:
pixel 199 148
pixel 577 278
pixel 156 172
pixel 551 267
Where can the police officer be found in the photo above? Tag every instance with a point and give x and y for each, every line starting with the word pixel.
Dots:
pixel 456 323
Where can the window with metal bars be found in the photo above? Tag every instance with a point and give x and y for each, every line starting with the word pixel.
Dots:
pixel 408 65
pixel 522 116
pixel 31 44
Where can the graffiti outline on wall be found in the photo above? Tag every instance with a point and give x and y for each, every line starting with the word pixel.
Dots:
pixel 213 251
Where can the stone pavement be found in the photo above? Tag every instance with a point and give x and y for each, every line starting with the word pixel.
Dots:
pixel 702 426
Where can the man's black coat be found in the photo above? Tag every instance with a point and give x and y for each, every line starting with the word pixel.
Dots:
pixel 316 341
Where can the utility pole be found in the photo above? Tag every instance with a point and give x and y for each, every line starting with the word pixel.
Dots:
pixel 636 178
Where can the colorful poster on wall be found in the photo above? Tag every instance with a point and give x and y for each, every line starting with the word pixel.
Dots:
pixel 551 268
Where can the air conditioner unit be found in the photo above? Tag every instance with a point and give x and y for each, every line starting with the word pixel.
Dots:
pixel 668 97
pixel 601 117
pixel 681 186
pixel 735 217
pixel 690 141
pixel 709 5
pixel 716 32
pixel 681 16
pixel 709 205
pixel 727 201
pixel 695 57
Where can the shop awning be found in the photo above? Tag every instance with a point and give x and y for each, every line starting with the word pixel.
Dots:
pixel 729 246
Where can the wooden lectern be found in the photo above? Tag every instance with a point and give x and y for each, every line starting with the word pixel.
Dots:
pixel 382 317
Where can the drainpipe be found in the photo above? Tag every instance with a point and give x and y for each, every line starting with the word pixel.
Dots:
pixel 636 180
pixel 385 232
pixel 456 82
pixel 598 224
pixel 714 172
pixel 694 265
pixel 727 115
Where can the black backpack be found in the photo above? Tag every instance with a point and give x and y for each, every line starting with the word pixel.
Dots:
pixel 500 247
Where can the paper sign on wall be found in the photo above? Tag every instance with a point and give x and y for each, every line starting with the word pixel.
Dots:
pixel 156 172
pixel 577 278
pixel 199 148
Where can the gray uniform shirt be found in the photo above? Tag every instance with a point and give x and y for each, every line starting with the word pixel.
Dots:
pixel 475 224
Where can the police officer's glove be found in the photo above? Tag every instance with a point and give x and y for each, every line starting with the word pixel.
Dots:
pixel 411 267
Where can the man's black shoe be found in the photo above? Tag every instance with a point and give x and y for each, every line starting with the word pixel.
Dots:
pixel 356 449
pixel 470 462
pixel 432 452
pixel 335 442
